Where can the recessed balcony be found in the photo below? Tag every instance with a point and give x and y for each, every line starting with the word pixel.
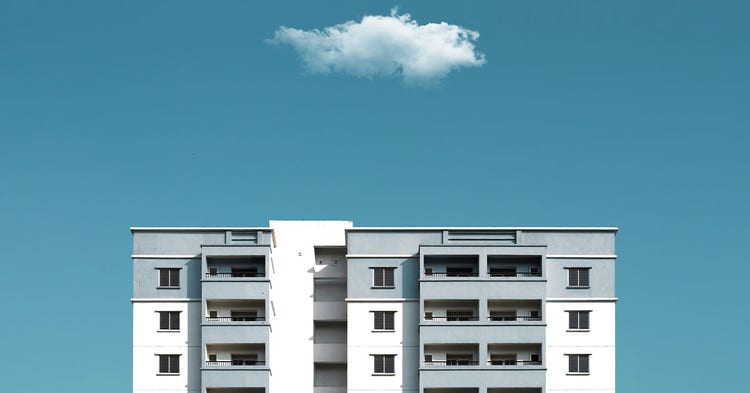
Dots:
pixel 451 355
pixel 514 311
pixel 245 268
pixel 451 311
pixel 514 266
pixel 514 355
pixel 235 312
pixel 451 266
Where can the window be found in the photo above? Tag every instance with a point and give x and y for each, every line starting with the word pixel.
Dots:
pixel 503 315
pixel 383 320
pixel 384 364
pixel 578 364
pixel 169 320
pixel 382 277
pixel 459 271
pixel 578 277
pixel 169 278
pixel 169 364
pixel 503 359
pixel 578 320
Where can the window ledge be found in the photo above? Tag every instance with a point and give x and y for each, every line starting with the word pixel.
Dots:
pixel 577 374
pixel 579 330
pixel 383 374
pixel 159 287
pixel 167 374
pixel 391 287
pixel 383 330
pixel 167 331
pixel 569 287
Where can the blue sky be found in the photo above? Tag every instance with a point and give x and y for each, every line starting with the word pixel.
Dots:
pixel 180 113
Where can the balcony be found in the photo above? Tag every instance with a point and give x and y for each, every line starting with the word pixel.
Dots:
pixel 453 267
pixel 246 268
pixel 509 267
pixel 514 355
pixel 235 390
pixel 451 355
pixel 235 311
pixel 511 311
pixel 451 311
pixel 235 366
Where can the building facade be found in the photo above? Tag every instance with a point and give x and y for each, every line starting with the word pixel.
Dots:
pixel 326 307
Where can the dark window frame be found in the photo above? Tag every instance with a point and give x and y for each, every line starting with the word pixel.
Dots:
pixel 579 320
pixel 383 277
pixel 384 364
pixel 578 363
pixel 384 321
pixel 169 364
pixel 579 277
pixel 168 277
pixel 169 320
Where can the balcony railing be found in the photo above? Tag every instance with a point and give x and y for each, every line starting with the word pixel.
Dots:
pixel 451 318
pixel 514 319
pixel 451 274
pixel 514 363
pixel 452 363
pixel 515 274
pixel 235 319
pixel 229 363
pixel 235 274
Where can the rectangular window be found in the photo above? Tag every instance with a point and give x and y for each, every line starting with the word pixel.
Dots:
pixel 169 278
pixel 169 320
pixel 578 320
pixel 382 277
pixel 578 277
pixel 169 364
pixel 578 364
pixel 383 320
pixel 384 364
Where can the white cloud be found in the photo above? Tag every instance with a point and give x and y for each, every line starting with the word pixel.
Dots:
pixel 385 46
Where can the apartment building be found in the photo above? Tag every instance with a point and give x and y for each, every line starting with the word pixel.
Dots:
pixel 326 307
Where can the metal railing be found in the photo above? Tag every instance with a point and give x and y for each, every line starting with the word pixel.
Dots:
pixel 514 362
pixel 451 318
pixel 451 274
pixel 452 363
pixel 514 318
pixel 236 274
pixel 229 363
pixel 235 319
pixel 514 274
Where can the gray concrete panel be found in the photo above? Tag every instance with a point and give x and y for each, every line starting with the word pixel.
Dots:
pixel 250 288
pixel 228 333
pixel 482 377
pixel 146 278
pixel 487 334
pixel 235 377
pixel 572 242
pixel 391 242
pixel 482 289
pixel 601 278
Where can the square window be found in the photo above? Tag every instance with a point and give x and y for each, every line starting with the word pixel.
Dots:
pixel 169 364
pixel 384 364
pixel 169 278
pixel 383 320
pixel 578 320
pixel 578 277
pixel 382 277
pixel 169 320
pixel 578 364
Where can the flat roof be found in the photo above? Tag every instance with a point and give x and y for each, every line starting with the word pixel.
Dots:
pixel 133 229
